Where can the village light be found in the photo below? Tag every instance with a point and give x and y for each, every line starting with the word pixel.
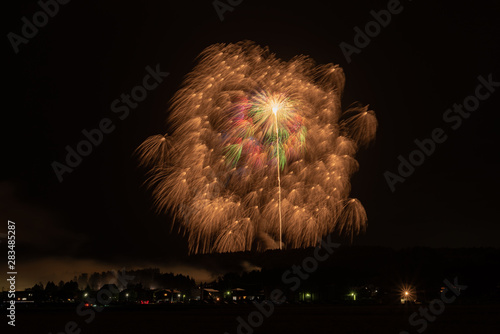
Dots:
pixel 407 294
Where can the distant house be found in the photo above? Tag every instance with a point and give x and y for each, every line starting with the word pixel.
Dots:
pixel 109 291
pixel 137 294
pixel 308 296
pixel 239 294
pixel 21 296
pixel 24 298
pixel 111 287
pixel 168 296
pixel 208 294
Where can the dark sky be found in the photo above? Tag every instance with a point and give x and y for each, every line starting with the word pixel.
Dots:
pixel 65 78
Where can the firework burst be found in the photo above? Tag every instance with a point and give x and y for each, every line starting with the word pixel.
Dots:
pixel 260 152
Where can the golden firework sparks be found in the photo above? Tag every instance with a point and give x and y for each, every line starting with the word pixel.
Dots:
pixel 260 151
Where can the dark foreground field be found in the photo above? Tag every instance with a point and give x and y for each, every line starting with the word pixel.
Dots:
pixel 178 319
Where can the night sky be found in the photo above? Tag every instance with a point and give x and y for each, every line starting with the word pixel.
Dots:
pixel 65 78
